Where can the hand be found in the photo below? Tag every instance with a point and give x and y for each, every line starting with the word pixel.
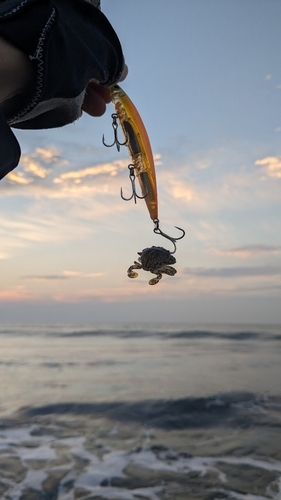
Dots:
pixel 16 72
pixel 97 96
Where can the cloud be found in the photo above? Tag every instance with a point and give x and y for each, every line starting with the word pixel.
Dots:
pixel 272 165
pixel 233 272
pixel 34 168
pixel 182 190
pixel 250 250
pixel 21 232
pixel 4 256
pixel 17 294
pixel 66 275
pixel 157 159
pixel 18 178
pixel 49 155
pixel 34 164
pixel 45 277
pixel 78 274
pixel 47 173
pixel 131 292
pixel 74 210
pixel 202 163
pixel 89 172
pixel 229 183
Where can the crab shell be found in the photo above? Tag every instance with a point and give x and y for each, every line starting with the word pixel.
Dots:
pixel 154 258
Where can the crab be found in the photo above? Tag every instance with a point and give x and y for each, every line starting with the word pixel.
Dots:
pixel 157 260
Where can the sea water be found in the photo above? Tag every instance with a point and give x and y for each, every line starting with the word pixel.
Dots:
pixel 140 411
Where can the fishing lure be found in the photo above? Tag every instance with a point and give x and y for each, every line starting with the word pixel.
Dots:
pixel 154 259
pixel 136 139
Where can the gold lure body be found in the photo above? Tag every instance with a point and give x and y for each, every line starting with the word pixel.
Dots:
pixel 138 144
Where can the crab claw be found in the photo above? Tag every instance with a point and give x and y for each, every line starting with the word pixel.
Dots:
pixel 154 281
pixel 132 274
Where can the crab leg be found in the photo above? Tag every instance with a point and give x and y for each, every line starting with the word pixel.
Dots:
pixel 131 273
pixel 155 280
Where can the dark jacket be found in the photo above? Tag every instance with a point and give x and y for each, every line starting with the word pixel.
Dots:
pixel 69 43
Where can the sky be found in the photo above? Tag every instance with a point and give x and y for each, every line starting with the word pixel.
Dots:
pixel 206 79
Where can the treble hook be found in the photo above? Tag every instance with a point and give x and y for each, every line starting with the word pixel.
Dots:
pixel 116 141
pixel 132 178
pixel 157 230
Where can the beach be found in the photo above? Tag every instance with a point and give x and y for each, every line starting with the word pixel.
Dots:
pixel 138 411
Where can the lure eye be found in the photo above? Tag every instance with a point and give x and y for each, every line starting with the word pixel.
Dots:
pixel 133 142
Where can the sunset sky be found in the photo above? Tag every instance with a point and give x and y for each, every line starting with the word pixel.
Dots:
pixel 206 79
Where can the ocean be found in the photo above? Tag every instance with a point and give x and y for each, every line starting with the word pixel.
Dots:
pixel 171 411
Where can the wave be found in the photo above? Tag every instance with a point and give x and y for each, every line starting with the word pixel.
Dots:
pixel 231 409
pixel 175 331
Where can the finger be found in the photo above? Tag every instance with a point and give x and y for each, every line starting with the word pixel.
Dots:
pixel 103 91
pixel 94 103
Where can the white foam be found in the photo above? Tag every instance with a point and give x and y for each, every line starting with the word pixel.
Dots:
pixel 44 452
pixel 100 471
pixel 247 496
pixel 121 493
pixel 112 465
pixel 33 479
